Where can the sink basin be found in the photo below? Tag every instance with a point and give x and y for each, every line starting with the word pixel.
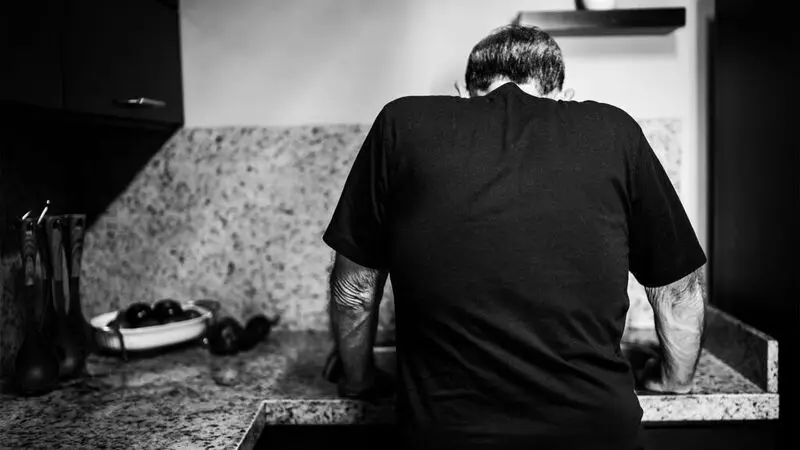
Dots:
pixel 371 436
pixel 657 436
pixel 352 437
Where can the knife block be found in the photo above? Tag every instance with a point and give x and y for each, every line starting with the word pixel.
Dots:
pixel 13 304
pixel 11 315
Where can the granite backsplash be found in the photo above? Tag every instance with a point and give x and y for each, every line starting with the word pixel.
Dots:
pixel 237 214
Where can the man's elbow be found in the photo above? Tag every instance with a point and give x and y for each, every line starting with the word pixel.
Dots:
pixel 682 302
pixel 347 296
pixel 691 292
pixel 354 287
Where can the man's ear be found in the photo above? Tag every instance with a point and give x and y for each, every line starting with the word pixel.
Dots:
pixel 461 89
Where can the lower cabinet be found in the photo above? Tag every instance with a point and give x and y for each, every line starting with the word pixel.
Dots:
pixel 760 435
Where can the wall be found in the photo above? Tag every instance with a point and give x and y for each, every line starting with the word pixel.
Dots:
pixel 268 63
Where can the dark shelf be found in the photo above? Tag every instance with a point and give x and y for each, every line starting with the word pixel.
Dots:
pixel 650 21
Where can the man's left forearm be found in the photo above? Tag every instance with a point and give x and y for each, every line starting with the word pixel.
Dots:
pixel 356 293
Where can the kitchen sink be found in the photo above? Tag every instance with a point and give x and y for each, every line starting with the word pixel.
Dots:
pixel 370 436
pixel 352 437
pixel 657 436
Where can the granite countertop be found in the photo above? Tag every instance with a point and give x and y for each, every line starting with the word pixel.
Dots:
pixel 171 401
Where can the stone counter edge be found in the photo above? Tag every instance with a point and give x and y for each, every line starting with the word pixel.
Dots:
pixel 657 408
pixel 750 352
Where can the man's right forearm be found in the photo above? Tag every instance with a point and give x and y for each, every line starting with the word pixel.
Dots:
pixel 679 312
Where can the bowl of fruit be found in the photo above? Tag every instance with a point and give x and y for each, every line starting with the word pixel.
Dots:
pixel 145 326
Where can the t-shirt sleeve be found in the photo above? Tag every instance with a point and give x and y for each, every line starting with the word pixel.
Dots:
pixel 663 245
pixel 357 229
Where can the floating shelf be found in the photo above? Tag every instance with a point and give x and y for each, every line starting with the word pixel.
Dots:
pixel 653 21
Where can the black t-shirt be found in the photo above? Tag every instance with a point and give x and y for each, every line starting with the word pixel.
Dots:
pixel 508 224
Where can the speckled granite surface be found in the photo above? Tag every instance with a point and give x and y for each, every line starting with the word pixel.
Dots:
pixel 10 315
pixel 237 214
pixel 167 401
pixel 171 400
pixel 749 351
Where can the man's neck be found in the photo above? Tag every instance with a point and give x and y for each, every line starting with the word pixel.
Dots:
pixel 531 88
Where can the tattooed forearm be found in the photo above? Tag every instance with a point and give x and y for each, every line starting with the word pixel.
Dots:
pixel 356 292
pixel 353 289
pixel 679 310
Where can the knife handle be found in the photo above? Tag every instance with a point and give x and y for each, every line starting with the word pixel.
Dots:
pixel 29 250
pixel 77 233
pixel 44 252
pixel 53 228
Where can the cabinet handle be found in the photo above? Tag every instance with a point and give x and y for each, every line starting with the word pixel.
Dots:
pixel 140 102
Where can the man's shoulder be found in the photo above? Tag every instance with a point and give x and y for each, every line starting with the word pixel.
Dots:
pixel 415 105
pixel 606 111
pixel 411 100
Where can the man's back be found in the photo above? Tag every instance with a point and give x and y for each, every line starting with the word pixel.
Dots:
pixel 508 246
pixel 508 223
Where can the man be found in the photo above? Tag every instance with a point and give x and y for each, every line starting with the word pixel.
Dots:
pixel 509 221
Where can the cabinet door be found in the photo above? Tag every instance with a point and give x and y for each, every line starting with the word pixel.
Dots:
pixel 753 162
pixel 122 59
pixel 30 52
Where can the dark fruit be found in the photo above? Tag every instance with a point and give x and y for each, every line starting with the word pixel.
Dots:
pixel 149 322
pixel 177 318
pixel 137 313
pixel 166 310
pixel 224 336
pixel 256 330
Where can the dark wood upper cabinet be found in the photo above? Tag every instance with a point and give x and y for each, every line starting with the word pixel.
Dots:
pixel 117 60
pixel 122 59
pixel 30 50
pixel 753 163
pixel 615 22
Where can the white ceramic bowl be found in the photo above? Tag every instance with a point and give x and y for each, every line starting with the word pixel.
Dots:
pixel 599 5
pixel 147 338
